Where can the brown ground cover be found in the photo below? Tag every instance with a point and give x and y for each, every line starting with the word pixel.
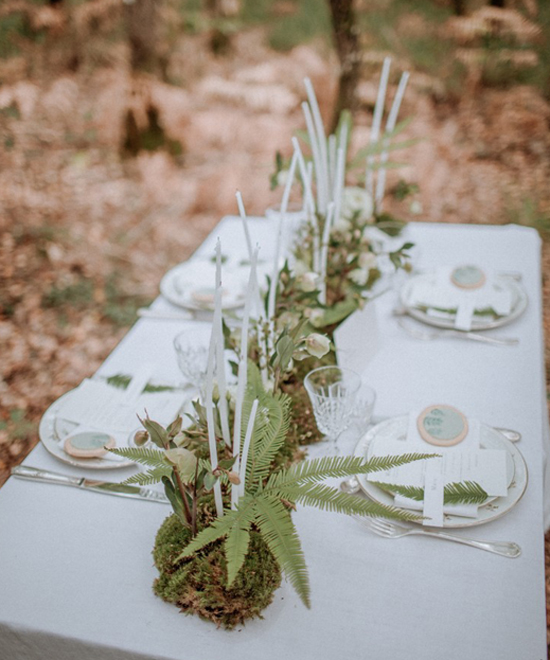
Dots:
pixel 85 235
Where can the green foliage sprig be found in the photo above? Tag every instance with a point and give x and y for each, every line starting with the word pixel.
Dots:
pixel 463 492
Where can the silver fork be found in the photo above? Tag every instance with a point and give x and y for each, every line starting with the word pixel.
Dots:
pixel 391 530
pixel 459 334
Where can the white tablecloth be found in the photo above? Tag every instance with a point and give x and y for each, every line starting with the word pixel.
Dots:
pixel 76 568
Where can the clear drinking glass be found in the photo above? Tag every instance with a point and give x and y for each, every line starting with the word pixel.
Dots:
pixel 362 411
pixel 332 391
pixel 191 347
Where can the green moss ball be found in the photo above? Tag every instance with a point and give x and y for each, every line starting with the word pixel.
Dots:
pixel 197 584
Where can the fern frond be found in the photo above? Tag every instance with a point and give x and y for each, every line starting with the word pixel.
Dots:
pixel 378 463
pixel 327 498
pixel 464 492
pixel 316 470
pixel 326 467
pixel 150 477
pixel 279 533
pixel 218 529
pixel 149 457
pixel 412 492
pixel 236 543
pixel 270 438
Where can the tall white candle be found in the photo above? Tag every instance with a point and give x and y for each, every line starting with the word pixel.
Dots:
pixel 282 213
pixel 339 182
pixel 246 447
pixel 242 213
pixel 390 125
pixel 331 159
pixel 376 122
pixel 324 253
pixel 321 137
pixel 309 202
pixel 321 195
pixel 243 366
pixel 314 220
pixel 220 357
pixel 209 404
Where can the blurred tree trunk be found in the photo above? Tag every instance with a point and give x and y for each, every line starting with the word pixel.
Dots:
pixel 141 17
pixel 141 26
pixel 459 7
pixel 346 39
pixel 497 3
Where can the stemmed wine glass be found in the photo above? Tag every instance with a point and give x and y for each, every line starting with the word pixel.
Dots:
pixel 191 348
pixel 332 391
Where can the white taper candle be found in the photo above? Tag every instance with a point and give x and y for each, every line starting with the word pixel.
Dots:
pixel 246 447
pixel 390 125
pixel 321 140
pixel 282 213
pixel 209 404
pixel 324 253
pixel 321 196
pixel 376 122
pixel 243 366
pixel 220 356
pixel 242 213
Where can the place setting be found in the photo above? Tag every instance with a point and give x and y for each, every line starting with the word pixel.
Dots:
pixel 103 413
pixel 461 302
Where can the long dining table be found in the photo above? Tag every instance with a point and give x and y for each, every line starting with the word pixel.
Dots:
pixel 76 570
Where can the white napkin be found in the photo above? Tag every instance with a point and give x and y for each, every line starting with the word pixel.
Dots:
pixel 97 405
pixel 436 290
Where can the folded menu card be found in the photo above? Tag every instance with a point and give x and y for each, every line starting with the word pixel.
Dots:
pixel 449 289
pixel 97 405
pixel 466 461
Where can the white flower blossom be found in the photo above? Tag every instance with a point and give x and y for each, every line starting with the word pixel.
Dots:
pixel 357 200
pixel 359 276
pixel 308 281
pixel 300 268
pixel 317 345
pixel 367 260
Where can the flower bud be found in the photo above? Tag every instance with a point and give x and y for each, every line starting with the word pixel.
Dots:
pixel 317 345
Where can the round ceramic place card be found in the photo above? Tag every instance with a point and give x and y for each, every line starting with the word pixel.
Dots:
pixel 88 444
pixel 468 277
pixel 442 425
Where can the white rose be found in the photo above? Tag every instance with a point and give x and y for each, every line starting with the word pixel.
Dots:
pixel 357 200
pixel 300 268
pixel 314 315
pixel 367 260
pixel 308 281
pixel 341 224
pixel 359 276
pixel 317 345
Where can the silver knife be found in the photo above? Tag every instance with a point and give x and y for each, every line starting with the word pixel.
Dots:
pixel 95 485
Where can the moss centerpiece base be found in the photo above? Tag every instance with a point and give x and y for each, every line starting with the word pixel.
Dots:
pixel 197 584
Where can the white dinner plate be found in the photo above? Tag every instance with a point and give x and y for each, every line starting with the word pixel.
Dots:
pixel 191 285
pixel 479 322
pixel 396 429
pixel 53 431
